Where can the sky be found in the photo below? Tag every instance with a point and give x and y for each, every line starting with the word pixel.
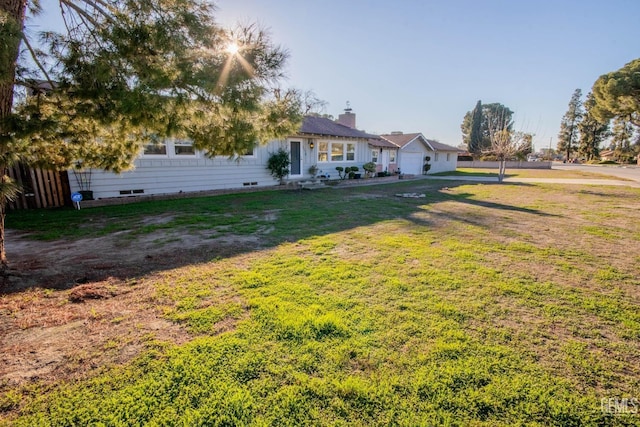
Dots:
pixel 420 65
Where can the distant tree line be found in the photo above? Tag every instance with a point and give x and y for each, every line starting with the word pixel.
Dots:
pixel 609 116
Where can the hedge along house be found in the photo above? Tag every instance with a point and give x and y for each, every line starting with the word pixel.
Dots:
pixel 173 166
pixel 413 150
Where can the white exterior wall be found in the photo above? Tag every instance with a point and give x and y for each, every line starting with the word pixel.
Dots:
pixel 411 159
pixel 362 156
pixel 442 164
pixel 166 174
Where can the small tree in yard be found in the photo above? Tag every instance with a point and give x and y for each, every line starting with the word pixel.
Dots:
pixel 278 164
pixel 505 145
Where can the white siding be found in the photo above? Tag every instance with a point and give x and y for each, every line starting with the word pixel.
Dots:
pixel 362 156
pixel 442 164
pixel 166 175
pixel 411 157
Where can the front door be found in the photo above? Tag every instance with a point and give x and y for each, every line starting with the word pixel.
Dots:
pixel 296 159
pixel 384 159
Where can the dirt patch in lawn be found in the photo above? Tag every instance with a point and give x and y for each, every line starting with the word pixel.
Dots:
pixel 63 264
pixel 70 308
pixel 52 335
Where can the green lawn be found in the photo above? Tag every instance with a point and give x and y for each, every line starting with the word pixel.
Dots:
pixel 476 305
pixel 530 173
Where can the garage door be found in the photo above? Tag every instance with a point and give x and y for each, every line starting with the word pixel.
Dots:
pixel 411 163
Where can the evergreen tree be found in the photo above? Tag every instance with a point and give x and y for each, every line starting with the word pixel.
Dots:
pixel 491 116
pixel 475 136
pixel 592 131
pixel 127 73
pixel 622 137
pixel 568 136
pixel 617 94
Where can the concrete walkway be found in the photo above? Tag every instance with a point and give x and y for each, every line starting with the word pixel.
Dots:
pixel 569 181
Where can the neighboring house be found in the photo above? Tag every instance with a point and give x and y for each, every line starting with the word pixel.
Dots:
pixel 173 166
pixel 413 148
pixel 606 155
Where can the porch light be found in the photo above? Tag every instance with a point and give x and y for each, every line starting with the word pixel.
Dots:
pixel 311 144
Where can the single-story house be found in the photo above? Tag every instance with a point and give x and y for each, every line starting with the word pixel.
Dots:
pixel 413 150
pixel 320 146
pixel 173 166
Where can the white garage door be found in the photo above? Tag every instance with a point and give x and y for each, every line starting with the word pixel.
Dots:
pixel 411 163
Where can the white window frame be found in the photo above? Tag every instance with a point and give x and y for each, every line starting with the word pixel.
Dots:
pixel 337 156
pixel 435 157
pixel 183 143
pixel 251 152
pixel 323 152
pixel 392 156
pixel 350 153
pixel 162 143
pixel 375 155
pixel 344 152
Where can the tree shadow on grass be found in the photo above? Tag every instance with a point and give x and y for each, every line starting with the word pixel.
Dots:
pixel 131 242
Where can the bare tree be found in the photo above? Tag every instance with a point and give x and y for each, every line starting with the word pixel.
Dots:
pixel 506 144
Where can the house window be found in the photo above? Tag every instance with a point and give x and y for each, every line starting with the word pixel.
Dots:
pixel 351 152
pixel 184 148
pixel 435 157
pixel 323 152
pixel 156 148
pixel 337 152
pixel 448 156
pixel 248 151
pixel 374 155
pixel 392 156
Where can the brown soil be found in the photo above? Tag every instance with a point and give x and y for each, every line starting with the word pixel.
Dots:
pixel 70 308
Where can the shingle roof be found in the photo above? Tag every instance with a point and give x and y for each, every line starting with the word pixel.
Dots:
pixel 438 146
pixel 402 139
pixel 383 143
pixel 320 126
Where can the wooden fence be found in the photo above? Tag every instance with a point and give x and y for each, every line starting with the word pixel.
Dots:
pixel 40 188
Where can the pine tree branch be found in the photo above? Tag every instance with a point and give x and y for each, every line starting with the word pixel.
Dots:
pixel 79 11
pixel 34 56
pixel 83 13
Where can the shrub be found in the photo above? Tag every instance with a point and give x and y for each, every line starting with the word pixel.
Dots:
pixel 370 168
pixel 278 164
pixel 349 171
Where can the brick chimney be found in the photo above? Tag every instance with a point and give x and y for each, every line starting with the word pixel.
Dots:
pixel 347 118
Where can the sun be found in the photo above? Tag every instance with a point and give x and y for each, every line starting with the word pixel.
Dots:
pixel 232 48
